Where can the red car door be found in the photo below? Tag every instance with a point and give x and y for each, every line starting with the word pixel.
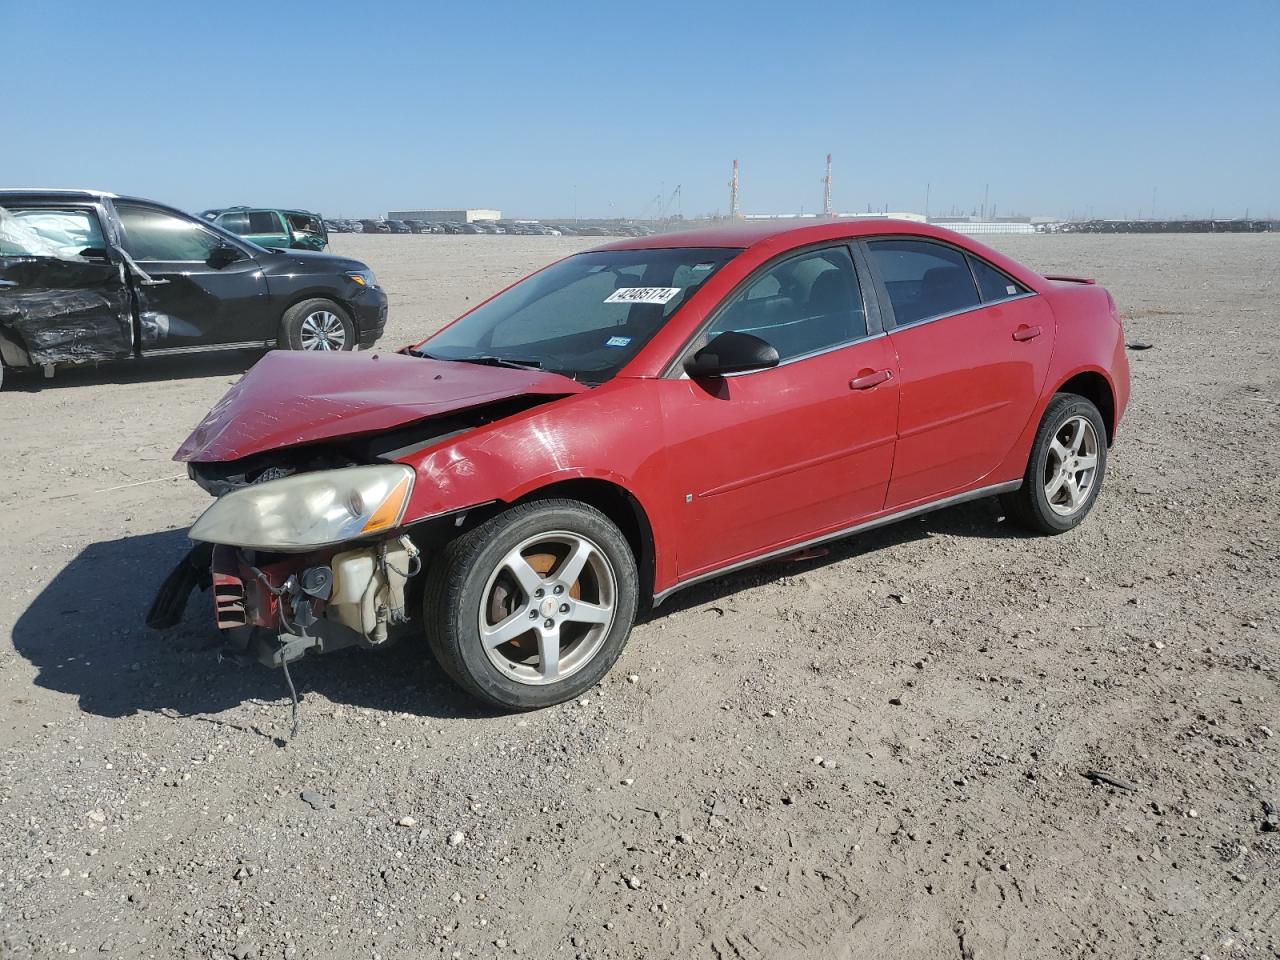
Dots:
pixel 763 459
pixel 973 346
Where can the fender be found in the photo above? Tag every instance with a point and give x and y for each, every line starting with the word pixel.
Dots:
pixel 580 437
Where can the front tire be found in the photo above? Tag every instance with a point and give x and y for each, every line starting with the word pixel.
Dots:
pixel 534 606
pixel 320 325
pixel 1065 472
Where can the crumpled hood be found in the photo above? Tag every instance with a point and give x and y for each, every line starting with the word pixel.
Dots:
pixel 290 398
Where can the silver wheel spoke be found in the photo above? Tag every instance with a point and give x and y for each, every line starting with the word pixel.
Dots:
pixel 589 613
pixel 1086 462
pixel 506 631
pixel 1053 486
pixel 549 653
pixel 515 564
pixel 571 569
pixel 1074 495
pixel 1059 450
pixel 1077 436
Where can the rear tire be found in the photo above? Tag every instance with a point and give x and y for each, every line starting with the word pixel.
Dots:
pixel 319 325
pixel 1065 472
pixel 532 607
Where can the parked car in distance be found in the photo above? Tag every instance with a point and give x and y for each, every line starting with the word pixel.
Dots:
pixel 375 226
pixel 337 226
pixel 276 229
pixel 634 420
pixel 399 226
pixel 88 276
pixel 419 226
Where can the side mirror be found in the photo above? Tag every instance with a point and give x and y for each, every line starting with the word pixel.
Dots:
pixel 732 352
pixel 222 255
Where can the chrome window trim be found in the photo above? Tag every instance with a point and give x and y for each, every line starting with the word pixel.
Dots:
pixel 790 360
pixel 955 313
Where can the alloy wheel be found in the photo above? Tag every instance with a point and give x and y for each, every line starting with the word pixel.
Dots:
pixel 323 330
pixel 547 608
pixel 1072 466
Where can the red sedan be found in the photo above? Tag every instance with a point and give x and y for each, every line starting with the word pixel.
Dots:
pixel 633 420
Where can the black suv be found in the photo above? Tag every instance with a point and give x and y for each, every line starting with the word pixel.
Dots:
pixel 88 276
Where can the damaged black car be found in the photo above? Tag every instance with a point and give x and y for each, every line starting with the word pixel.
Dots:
pixel 87 277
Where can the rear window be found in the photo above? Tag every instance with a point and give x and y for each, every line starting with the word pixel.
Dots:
pixel 67 234
pixel 924 279
pixel 994 284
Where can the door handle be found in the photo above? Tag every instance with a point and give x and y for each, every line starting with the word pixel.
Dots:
pixel 865 381
pixel 1026 333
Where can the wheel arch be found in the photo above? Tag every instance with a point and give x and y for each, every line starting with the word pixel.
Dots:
pixel 1094 386
pixel 329 295
pixel 617 503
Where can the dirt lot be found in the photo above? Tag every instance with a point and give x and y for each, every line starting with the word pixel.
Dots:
pixel 876 754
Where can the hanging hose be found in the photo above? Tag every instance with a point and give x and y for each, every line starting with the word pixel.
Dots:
pixel 279 594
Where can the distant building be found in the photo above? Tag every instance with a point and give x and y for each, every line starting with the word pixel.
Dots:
pixel 895 215
pixel 441 216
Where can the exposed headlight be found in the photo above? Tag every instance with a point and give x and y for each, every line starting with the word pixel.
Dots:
pixel 363 277
pixel 309 510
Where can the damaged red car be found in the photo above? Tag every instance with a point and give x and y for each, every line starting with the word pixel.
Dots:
pixel 633 420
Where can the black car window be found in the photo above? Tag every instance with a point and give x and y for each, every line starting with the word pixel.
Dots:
pixel 154 235
pixel 923 279
pixel 802 305
pixel 992 283
pixel 264 221
pixel 48 232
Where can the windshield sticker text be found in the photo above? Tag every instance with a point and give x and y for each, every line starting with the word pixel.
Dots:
pixel 642 295
pixel 617 341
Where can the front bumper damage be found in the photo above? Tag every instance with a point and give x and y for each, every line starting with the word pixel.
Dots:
pixel 281 607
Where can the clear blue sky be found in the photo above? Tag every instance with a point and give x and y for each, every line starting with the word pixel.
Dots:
pixel 355 108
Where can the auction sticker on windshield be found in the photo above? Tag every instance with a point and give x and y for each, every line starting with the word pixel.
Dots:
pixel 642 295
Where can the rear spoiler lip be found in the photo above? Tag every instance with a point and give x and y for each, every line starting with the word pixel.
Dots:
pixel 1064 279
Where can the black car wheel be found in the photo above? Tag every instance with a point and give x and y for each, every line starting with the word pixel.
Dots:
pixel 1065 472
pixel 532 607
pixel 317 325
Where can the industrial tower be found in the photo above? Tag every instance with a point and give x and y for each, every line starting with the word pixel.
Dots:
pixel 734 213
pixel 826 190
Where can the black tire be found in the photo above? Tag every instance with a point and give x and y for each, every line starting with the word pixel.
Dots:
pixel 293 336
pixel 461 580
pixel 1029 506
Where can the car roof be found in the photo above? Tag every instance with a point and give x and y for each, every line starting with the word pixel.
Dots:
pixel 47 193
pixel 748 233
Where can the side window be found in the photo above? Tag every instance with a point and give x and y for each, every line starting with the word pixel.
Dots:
pixel 235 222
pixel 264 221
pixel 153 235
pixel 993 284
pixel 44 232
pixel 802 305
pixel 923 279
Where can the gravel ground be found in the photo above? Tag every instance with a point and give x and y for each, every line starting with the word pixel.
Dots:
pixel 880 753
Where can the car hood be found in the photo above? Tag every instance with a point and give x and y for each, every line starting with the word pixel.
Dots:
pixel 296 261
pixel 288 399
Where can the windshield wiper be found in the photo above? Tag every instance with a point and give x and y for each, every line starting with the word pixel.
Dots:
pixel 491 361
pixel 486 359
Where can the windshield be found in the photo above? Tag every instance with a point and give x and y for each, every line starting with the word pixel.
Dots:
pixel 584 317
